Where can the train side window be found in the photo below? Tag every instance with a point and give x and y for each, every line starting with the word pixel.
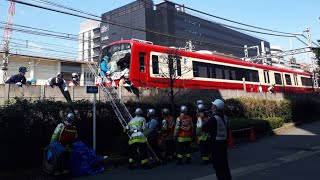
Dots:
pixel 266 77
pixel 306 81
pixel 203 70
pixel 211 71
pixel 155 64
pixel 141 61
pixel 178 58
pixel 195 69
pixel 277 77
pixel 295 79
pixel 226 73
pixel 219 72
pixel 233 74
pixel 241 73
pixel 288 79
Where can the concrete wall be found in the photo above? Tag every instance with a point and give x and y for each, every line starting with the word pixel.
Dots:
pixel 146 95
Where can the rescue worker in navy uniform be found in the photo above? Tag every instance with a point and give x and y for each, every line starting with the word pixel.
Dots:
pixel 182 133
pixel 138 141
pixel 203 136
pixel 153 135
pixel 168 132
pixel 20 78
pixel 65 133
pixel 217 127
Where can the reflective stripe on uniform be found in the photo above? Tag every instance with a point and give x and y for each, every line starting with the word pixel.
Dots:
pixel 179 156
pixel 137 140
pixel 144 161
pixel 205 158
pixel 131 160
pixel 188 155
pixel 184 139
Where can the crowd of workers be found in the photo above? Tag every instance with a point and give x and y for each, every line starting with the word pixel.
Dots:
pixel 171 138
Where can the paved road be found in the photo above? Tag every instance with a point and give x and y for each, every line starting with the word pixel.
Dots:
pixel 294 154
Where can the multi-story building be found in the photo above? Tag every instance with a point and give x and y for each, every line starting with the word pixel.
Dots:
pixel 170 25
pixel 89 40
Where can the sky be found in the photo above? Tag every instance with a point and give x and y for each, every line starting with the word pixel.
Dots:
pixel 280 15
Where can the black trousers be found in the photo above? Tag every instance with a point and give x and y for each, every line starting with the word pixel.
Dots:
pixel 204 149
pixel 135 148
pixel 183 148
pixel 220 160
pixel 170 147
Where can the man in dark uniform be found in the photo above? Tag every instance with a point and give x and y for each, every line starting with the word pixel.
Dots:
pixel 18 79
pixel 217 127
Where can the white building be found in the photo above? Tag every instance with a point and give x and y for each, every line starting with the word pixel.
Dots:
pixel 89 40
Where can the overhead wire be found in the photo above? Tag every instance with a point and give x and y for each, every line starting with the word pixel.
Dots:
pixel 123 25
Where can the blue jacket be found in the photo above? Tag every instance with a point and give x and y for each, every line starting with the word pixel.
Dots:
pixel 104 66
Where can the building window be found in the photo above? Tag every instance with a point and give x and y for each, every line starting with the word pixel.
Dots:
pixel 277 77
pixel 141 61
pixel 288 79
pixel 155 64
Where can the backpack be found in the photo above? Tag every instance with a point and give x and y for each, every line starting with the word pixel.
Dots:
pixel 68 134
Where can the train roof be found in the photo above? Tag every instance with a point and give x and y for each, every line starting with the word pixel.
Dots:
pixel 211 57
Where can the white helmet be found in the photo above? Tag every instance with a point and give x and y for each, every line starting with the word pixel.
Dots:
pixel 74 75
pixel 151 112
pixel 200 102
pixel 201 108
pixel 183 109
pixel 138 112
pixel 218 103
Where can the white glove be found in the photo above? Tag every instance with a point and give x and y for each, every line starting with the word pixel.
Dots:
pixel 19 84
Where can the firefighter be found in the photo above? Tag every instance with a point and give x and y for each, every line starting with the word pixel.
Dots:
pixel 74 80
pixel 217 127
pixel 138 141
pixel 168 132
pixel 202 136
pixel 65 133
pixel 153 135
pixel 183 133
pixel 200 102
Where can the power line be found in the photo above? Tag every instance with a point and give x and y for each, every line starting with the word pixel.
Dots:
pixel 243 24
pixel 26 41
pixel 122 25
pixel 45 49
pixel 66 7
pixel 67 34
pixel 292 35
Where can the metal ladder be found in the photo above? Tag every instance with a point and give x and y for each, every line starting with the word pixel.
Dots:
pixel 118 106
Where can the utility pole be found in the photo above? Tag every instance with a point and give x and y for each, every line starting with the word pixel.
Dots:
pixel 6 39
pixel 313 60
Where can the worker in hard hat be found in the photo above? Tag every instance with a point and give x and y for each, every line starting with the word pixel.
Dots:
pixel 74 80
pixel 217 128
pixel 203 136
pixel 168 125
pixel 19 78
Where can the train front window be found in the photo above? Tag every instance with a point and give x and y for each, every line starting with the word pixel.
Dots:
pixel 119 59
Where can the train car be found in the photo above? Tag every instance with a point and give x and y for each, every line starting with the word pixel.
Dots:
pixel 149 65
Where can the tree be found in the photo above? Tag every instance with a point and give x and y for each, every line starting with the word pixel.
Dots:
pixel 173 70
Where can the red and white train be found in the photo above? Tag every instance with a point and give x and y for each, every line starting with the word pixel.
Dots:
pixel 148 65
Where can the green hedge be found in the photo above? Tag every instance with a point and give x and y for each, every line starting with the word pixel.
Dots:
pixel 258 108
pixel 26 127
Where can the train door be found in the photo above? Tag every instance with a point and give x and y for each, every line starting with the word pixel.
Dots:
pixel 143 74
